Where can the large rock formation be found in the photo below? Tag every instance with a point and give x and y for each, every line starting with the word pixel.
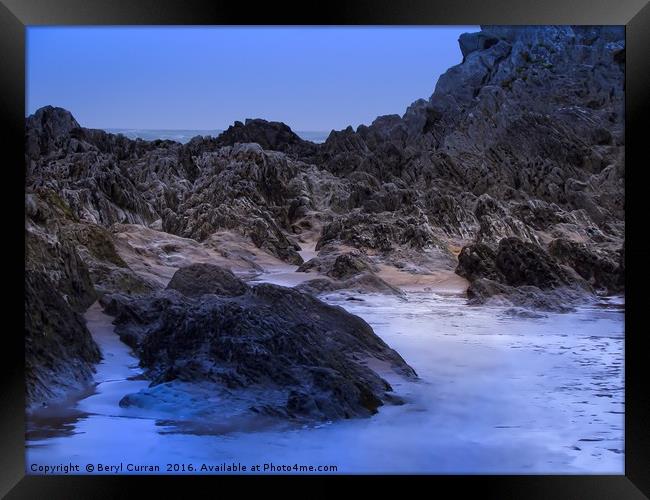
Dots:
pixel 307 356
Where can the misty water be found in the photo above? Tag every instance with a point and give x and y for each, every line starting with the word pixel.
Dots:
pixel 497 394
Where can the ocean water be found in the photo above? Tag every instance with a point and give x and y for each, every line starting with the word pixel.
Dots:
pixel 498 394
pixel 185 135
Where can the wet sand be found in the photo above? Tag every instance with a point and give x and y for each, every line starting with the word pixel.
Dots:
pixel 443 282
pixel 156 255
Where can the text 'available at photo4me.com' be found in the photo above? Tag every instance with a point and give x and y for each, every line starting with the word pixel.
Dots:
pixel 177 468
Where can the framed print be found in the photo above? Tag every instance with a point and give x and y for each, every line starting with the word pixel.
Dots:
pixel 380 241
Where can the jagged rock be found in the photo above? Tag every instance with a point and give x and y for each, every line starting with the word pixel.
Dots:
pixel 601 269
pixel 495 223
pixel 349 264
pixel 274 136
pixel 520 273
pixel 450 215
pixel 108 271
pixel 268 337
pixel 339 265
pixel 523 263
pixel 383 233
pixel 471 42
pixel 46 129
pixel 478 261
pixel 359 283
pixel 59 351
pixel 48 251
pixel 245 189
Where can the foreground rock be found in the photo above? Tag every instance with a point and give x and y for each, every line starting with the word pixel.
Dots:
pixel 295 356
pixel 197 280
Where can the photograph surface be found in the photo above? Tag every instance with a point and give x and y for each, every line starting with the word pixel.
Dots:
pixel 289 250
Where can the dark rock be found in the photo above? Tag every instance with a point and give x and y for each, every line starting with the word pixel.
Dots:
pixel 359 283
pixel 48 128
pixel 471 42
pixel 349 264
pixel 521 274
pixel 488 292
pixel 600 268
pixel 478 261
pixel 515 263
pixel 200 279
pixel 48 251
pixel 59 351
pixel 523 263
pixel 269 337
pixel 496 223
pixel 339 265
pixel 108 271
pixel 97 241
pixel 274 136
pixel 384 233
pixel 245 189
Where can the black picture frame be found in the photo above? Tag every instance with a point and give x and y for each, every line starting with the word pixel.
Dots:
pixel 15 15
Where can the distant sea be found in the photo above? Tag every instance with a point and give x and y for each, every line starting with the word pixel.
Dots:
pixel 184 135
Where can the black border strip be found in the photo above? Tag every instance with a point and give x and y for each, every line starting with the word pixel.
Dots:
pixel 31 12
pixel 634 13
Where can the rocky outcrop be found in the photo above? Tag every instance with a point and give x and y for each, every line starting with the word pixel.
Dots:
pixel 520 273
pixel 562 299
pixel 205 279
pixel 49 252
pixel 240 337
pixel 361 283
pixel 272 136
pixel 602 269
pixel 350 271
pixel 246 189
pixel 60 354
pixel 522 263
pixel 339 265
pixel 68 264
pixel 478 261
pixel 384 233
pixel 496 223
pixel 108 271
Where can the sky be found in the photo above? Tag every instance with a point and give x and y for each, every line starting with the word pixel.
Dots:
pixel 311 78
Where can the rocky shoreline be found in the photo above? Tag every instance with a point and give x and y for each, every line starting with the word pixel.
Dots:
pixel 510 176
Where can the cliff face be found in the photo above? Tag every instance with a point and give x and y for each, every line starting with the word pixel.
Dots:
pixel 524 138
pixel 531 112
pixel 516 162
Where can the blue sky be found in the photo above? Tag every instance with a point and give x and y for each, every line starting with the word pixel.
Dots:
pixel 207 77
